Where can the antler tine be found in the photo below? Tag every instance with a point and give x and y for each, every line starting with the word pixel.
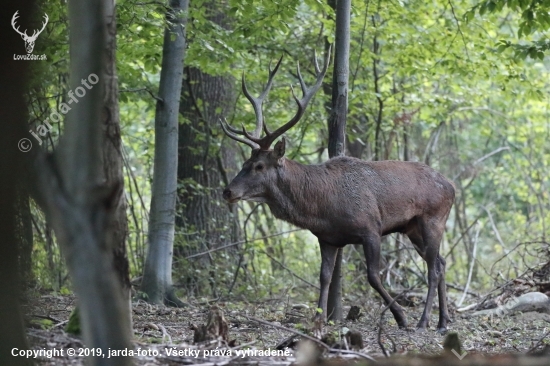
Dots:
pixel 233 129
pixel 226 127
pixel 44 23
pixel 15 26
pixel 257 102
pixel 248 136
pixel 307 94
pixel 270 79
pixel 266 130
pixel 14 18
pixel 315 62
pixel 303 85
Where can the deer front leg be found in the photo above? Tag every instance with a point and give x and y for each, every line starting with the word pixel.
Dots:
pixel 328 258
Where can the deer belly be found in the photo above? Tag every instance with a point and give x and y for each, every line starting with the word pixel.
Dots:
pixel 338 239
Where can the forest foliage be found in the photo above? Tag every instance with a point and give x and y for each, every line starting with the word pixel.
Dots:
pixel 460 85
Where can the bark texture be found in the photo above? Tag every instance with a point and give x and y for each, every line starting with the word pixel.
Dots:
pixel 117 232
pixel 204 167
pixel 24 235
pixel 200 157
pixel 157 276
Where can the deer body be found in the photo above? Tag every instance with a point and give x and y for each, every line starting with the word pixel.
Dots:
pixel 344 197
pixel 348 201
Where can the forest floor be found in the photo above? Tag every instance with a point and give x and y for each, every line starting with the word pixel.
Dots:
pixel 162 331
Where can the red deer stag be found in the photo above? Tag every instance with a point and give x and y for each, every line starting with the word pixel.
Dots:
pixel 347 201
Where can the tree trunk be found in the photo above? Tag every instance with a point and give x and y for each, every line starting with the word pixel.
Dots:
pixel 76 200
pixel 117 230
pixel 157 276
pixel 112 159
pixel 203 167
pixel 24 235
pixel 337 130
pixel 13 114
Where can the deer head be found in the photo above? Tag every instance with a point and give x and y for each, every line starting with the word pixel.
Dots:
pixel 29 40
pixel 259 171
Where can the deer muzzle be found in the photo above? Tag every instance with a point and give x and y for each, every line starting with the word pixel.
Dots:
pixel 230 196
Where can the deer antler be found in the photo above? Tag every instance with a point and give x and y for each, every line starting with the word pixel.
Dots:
pixel 16 28
pixel 265 142
pixel 24 34
pixel 232 132
pixel 257 105
pixel 257 102
pixel 307 94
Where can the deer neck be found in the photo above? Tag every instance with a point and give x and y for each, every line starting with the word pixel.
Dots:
pixel 293 193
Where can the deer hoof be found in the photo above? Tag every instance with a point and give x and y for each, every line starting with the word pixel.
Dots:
pixel 441 330
pixel 422 326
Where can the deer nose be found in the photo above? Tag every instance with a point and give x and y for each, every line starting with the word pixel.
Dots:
pixel 227 194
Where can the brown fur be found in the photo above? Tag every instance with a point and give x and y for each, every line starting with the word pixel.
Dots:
pixel 350 201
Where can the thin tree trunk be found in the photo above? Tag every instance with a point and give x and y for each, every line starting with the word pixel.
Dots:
pixel 157 276
pixel 376 77
pixel 76 200
pixel 13 114
pixel 337 131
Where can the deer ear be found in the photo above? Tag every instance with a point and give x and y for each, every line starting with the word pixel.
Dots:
pixel 279 149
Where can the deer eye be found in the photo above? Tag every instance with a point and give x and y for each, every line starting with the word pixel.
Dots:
pixel 259 167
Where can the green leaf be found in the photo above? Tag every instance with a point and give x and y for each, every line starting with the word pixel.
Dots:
pixel 469 15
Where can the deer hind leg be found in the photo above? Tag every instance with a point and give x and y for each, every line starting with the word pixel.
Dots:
pixel 427 238
pixel 442 294
pixel 371 247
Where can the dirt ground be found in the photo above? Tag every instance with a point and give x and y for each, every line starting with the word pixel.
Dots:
pixel 164 335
